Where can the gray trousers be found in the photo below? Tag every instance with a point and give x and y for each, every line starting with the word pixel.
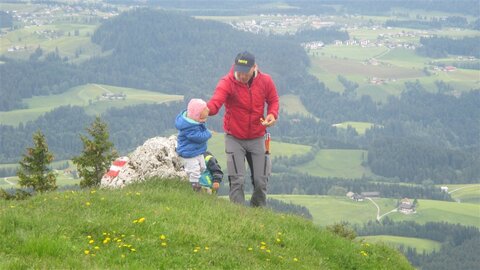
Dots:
pixel 260 168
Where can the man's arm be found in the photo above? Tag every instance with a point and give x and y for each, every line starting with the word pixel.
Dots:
pixel 219 97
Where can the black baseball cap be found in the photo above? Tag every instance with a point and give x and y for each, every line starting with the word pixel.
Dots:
pixel 244 62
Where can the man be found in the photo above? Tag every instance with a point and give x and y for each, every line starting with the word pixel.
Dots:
pixel 245 91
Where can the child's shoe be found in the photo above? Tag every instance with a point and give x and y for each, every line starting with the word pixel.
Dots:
pixel 196 186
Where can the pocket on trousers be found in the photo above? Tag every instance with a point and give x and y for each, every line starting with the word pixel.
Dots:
pixel 267 168
pixel 231 164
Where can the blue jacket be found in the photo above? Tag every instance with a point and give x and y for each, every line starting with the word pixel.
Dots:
pixel 192 136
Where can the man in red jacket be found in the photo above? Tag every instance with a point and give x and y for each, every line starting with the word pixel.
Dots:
pixel 245 91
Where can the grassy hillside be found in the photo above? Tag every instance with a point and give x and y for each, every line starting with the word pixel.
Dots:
pixel 327 210
pixel 397 241
pixel 163 225
pixel 465 193
pixel 87 96
pixel 342 163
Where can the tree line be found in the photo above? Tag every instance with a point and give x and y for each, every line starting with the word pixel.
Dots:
pixel 459 242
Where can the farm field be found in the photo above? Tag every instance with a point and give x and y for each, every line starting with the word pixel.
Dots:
pixel 342 163
pixel 468 193
pixel 327 210
pixel 395 66
pixel 292 104
pixel 87 96
pixel 396 241
pixel 71 40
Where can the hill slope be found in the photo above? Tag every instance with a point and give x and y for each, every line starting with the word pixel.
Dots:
pixel 161 225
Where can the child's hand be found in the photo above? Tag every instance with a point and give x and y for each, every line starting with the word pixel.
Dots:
pixel 215 186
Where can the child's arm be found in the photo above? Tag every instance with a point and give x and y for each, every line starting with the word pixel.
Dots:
pixel 199 135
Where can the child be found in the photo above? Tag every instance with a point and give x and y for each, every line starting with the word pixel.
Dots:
pixel 192 139
pixel 213 175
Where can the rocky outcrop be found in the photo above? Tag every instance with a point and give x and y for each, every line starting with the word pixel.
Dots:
pixel 155 158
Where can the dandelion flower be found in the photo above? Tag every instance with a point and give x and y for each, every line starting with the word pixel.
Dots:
pixel 123 255
pixel 97 247
pixel 87 203
pixel 162 237
pixel 207 248
pixel 86 251
pixel 138 193
pixel 295 259
pixel 263 247
pixel 164 244
pixel 250 249
pixel 91 241
pixel 89 237
pixel 141 220
pixel 133 250
pixel 135 221
pixel 279 240
pixel 263 243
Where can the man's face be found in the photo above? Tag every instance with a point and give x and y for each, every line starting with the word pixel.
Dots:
pixel 245 76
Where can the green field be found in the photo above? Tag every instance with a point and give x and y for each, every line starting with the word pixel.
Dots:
pixel 292 104
pixel 469 193
pixel 342 163
pixel 50 37
pixel 396 241
pixel 327 210
pixel 87 96
pixel 360 127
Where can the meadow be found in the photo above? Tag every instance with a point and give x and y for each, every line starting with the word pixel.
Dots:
pixel 162 224
pixel 87 96
pixel 421 245
pixel 327 210
pixel 341 163
pixel 465 193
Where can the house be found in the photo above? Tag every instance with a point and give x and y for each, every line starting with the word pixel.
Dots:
pixel 444 188
pixel 354 196
pixel 406 206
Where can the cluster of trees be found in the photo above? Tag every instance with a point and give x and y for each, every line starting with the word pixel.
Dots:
pixel 451 21
pixel 35 174
pixel 288 208
pixel 6 20
pixel 303 183
pixel 438 47
pixel 456 239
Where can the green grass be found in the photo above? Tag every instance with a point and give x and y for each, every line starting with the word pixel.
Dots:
pixel 85 96
pixel 468 193
pixel 342 163
pixel 429 210
pixel 360 127
pixel 327 210
pixel 292 104
pixel 125 229
pixel 67 46
pixel 420 244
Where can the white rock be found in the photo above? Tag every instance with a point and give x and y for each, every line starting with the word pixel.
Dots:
pixel 155 158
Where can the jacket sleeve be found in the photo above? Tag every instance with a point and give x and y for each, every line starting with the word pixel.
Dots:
pixel 215 169
pixel 272 98
pixel 219 96
pixel 200 135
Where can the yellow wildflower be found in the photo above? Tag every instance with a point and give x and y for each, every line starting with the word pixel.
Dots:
pixel 141 220
pixel 91 241
pixel 86 251
pixel 163 237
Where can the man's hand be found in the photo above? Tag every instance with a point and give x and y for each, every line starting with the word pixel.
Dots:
pixel 269 120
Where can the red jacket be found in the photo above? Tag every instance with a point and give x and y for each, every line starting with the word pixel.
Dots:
pixel 244 106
